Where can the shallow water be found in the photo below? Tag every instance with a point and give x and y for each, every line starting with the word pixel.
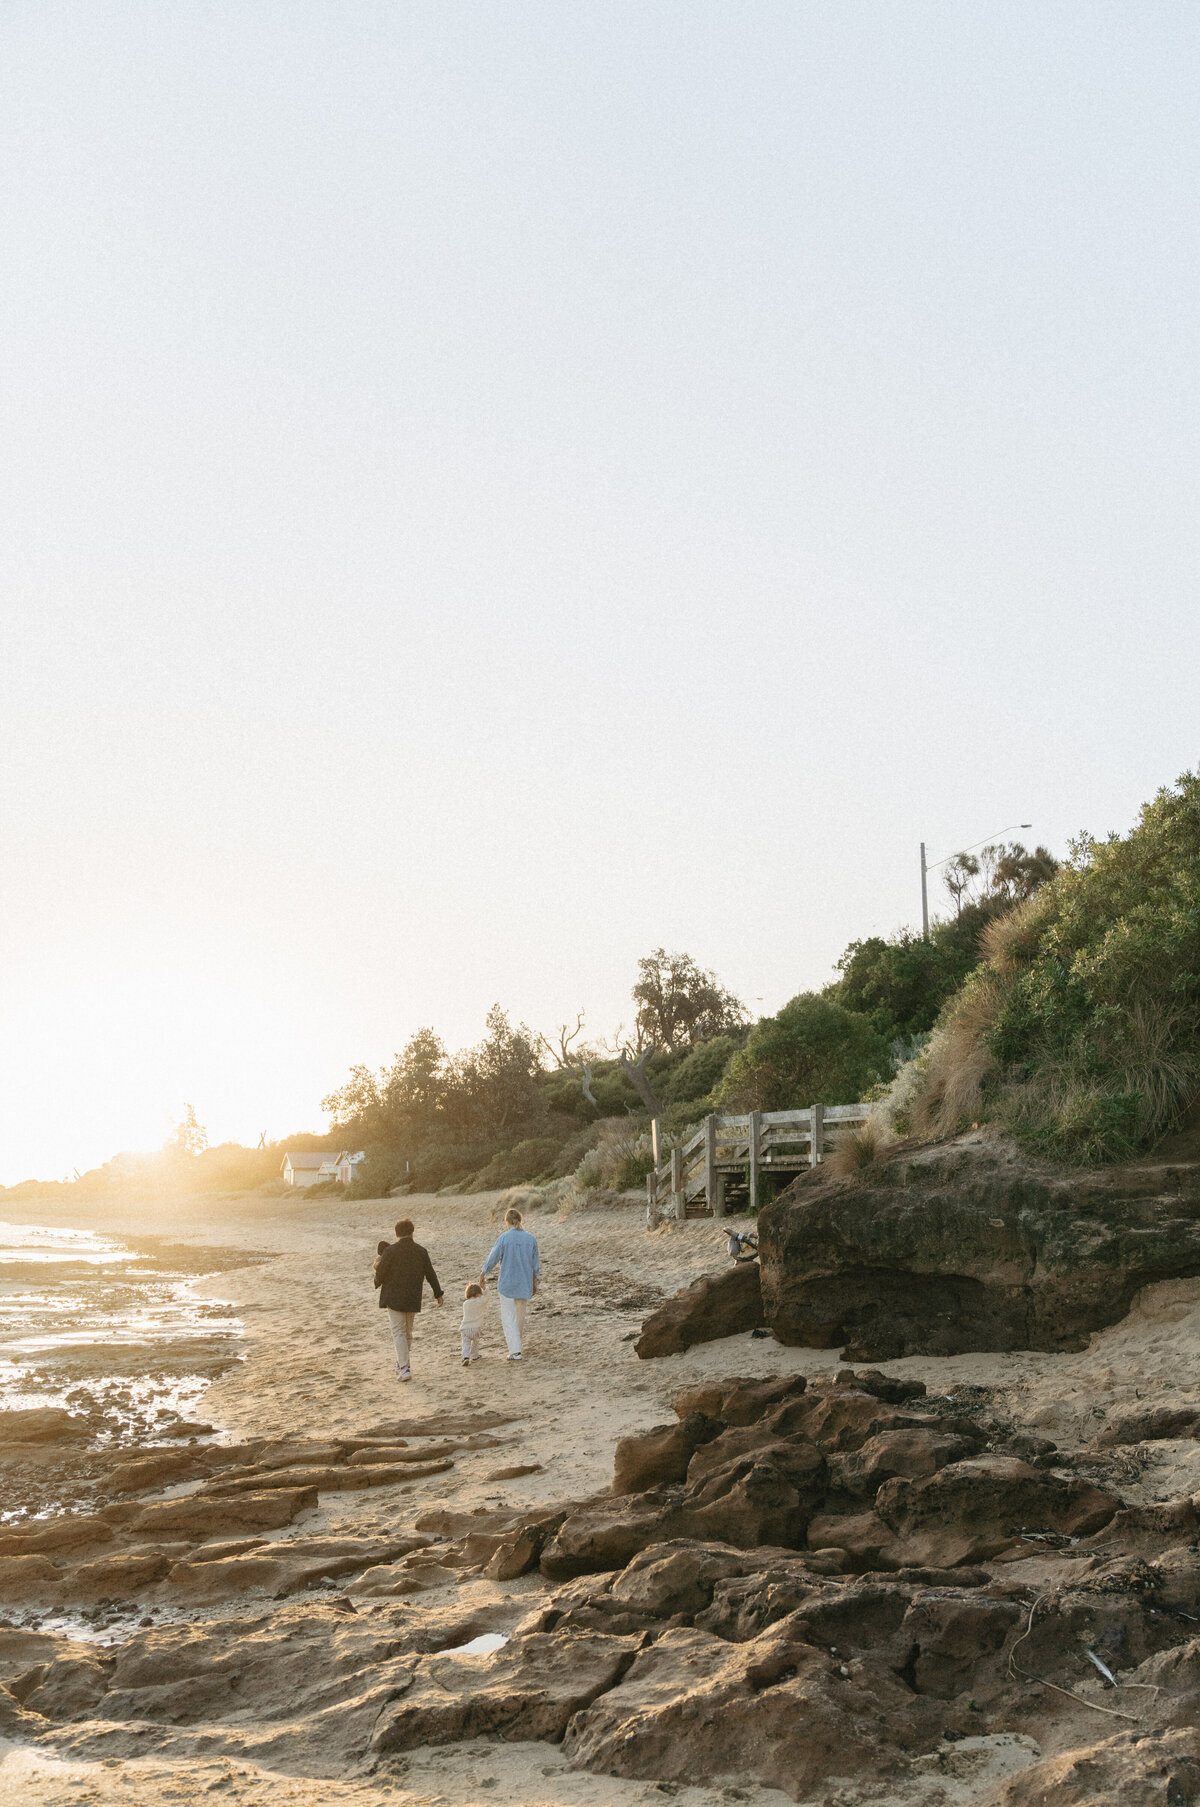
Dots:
pixel 486 1644
pixel 92 1324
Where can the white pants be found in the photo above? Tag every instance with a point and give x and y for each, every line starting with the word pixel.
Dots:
pixel 400 1322
pixel 470 1342
pixel 512 1322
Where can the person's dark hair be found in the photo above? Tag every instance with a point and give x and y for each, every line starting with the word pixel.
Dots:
pixel 405 1227
pixel 381 1247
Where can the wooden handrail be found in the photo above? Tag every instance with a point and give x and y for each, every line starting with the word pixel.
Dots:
pixel 752 1139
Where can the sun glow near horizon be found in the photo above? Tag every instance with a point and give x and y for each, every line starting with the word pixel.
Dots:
pixel 103 1054
pixel 482 503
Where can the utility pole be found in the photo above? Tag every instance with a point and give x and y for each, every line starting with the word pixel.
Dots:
pixel 924 896
pixel 926 869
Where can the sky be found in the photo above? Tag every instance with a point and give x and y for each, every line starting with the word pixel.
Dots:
pixel 486 491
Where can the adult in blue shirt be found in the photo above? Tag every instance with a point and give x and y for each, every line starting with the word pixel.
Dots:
pixel 516 1255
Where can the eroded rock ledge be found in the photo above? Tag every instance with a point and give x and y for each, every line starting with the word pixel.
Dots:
pixel 967 1246
pixel 789 1584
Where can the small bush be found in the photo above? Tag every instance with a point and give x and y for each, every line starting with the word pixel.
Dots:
pixel 590 1172
pixel 631 1172
pixel 620 1160
pixel 378 1174
pixel 1099 1126
pixel 323 1189
pixel 683 1120
pixel 519 1198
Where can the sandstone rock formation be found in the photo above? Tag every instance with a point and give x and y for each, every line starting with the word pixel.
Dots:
pixel 967 1246
pixel 43 1424
pixel 714 1306
pixel 800 1583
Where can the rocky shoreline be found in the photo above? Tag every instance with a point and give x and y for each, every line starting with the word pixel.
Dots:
pixel 810 1583
pixel 793 1585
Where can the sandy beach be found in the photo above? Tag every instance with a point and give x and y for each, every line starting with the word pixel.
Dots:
pixel 318 1361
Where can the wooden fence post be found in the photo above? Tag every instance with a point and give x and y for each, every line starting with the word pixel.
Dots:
pixel 678 1202
pixel 755 1132
pixel 816 1134
pixel 714 1202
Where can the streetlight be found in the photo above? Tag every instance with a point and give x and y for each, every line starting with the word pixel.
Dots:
pixel 927 868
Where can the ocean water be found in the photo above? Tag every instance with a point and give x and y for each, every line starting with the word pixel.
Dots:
pixel 108 1330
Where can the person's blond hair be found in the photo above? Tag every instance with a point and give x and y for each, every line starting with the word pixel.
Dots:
pixel 512 1215
pixel 474 1291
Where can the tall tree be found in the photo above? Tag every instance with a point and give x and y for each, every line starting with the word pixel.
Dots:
pixel 188 1137
pixel 678 1003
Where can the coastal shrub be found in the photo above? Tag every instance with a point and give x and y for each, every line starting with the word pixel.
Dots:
pixel 632 1170
pixel 900 984
pixel 520 1198
pixel 893 1104
pixel 813 1051
pixel 573 1151
pixel 683 1120
pixel 378 1174
pixel 1079 1031
pixel 590 1172
pixel 700 1070
pixel 511 1166
pixel 620 1160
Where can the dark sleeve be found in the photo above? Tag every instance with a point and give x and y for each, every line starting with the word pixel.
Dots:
pixel 430 1275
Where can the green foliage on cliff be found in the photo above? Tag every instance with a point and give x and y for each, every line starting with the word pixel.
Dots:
pixel 1080 1029
pixel 814 1052
pixel 901 983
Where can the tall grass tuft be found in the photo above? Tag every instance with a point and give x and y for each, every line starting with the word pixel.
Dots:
pixel 959 1063
pixel 859 1149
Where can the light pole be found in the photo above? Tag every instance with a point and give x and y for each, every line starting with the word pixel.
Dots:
pixel 927 868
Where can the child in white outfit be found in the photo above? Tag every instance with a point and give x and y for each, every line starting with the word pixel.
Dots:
pixel 472 1322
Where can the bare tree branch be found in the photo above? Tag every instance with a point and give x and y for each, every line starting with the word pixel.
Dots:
pixel 573 1060
pixel 635 1073
pixel 564 1057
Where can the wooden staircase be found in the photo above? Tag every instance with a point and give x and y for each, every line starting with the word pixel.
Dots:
pixel 719 1169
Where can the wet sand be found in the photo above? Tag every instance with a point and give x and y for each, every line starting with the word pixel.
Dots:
pixel 114 1331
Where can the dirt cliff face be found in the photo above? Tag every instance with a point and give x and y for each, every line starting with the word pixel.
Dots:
pixel 968 1247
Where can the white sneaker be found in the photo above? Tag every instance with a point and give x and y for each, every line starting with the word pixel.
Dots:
pixel 514 1358
pixel 406 1373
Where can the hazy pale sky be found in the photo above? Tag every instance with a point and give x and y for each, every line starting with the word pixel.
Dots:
pixel 491 489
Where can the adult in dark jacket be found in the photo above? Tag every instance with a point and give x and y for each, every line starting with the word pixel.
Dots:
pixel 400 1275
